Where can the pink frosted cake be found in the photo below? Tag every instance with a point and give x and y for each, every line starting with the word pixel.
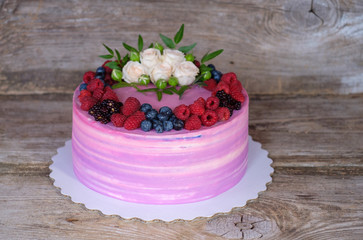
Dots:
pixel 170 144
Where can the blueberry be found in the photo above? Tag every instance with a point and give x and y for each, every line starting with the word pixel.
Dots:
pixel 159 128
pixel 100 76
pixel 146 125
pixel 168 125
pixel 83 86
pixel 216 75
pixel 162 117
pixel 151 114
pixel 172 118
pixel 166 110
pixel 156 122
pixel 145 107
pixel 219 75
pixel 212 66
pixel 178 124
pixel 101 70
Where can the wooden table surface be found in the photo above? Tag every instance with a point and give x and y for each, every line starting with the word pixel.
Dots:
pixel 301 62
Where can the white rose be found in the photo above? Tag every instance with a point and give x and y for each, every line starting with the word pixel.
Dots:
pixel 162 70
pixel 150 58
pixel 173 57
pixel 132 71
pixel 186 73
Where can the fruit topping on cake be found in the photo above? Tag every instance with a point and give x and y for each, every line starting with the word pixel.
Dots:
pixel 161 69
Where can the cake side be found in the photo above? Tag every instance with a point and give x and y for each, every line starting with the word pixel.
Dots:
pixel 178 167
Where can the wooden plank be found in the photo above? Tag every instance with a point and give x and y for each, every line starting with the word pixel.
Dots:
pixel 293 207
pixel 275 47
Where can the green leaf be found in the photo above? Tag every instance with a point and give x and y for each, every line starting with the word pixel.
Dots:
pixel 209 56
pixel 167 91
pixel 125 60
pixel 173 89
pixel 151 45
pixel 149 90
pixel 118 55
pixel 129 48
pixel 113 65
pixel 179 35
pixel 108 56
pixel 160 95
pixel 186 49
pixel 140 43
pixel 120 85
pixel 202 84
pixel 182 90
pixel 167 41
pixel 108 49
pixel 204 68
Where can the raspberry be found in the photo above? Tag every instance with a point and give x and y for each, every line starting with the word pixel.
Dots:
pixel 84 93
pixel 182 112
pixel 118 119
pixel 221 86
pixel 107 69
pixel 109 94
pixel 223 113
pixel 209 118
pixel 235 86
pixel 212 103
pixel 201 101
pixel 238 96
pixel 134 121
pixel 87 102
pixel 98 93
pixel 94 84
pixel 108 79
pixel 229 78
pixel 197 109
pixel 193 123
pixel 196 63
pixel 88 76
pixel 140 115
pixel 131 105
pixel 211 84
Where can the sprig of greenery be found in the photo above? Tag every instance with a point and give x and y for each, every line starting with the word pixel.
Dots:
pixel 113 54
pixel 209 56
pixel 177 39
pixel 159 92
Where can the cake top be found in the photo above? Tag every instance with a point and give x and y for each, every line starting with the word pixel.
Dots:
pixel 160 88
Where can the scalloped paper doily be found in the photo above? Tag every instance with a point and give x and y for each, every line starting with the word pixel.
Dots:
pixel 257 175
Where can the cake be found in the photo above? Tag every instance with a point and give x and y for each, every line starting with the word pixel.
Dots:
pixel 135 141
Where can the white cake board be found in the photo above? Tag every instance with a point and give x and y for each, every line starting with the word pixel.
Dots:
pixel 257 175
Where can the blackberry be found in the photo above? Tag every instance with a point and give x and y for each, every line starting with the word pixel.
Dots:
pixel 95 109
pixel 102 112
pixel 112 106
pixel 230 111
pixel 237 105
pixel 222 96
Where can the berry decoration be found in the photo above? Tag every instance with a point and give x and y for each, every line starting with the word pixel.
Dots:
pixel 193 123
pixel 88 76
pixel 182 112
pixel 131 105
pixel 145 107
pixel 209 118
pixel 146 125
pixel 212 103
pixel 118 119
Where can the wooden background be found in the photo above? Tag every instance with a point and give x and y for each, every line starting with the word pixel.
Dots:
pixel 300 60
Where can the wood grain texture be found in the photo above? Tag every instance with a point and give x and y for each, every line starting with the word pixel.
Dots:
pixel 316 192
pixel 275 47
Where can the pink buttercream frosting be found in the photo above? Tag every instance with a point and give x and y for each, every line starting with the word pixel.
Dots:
pixel 169 168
